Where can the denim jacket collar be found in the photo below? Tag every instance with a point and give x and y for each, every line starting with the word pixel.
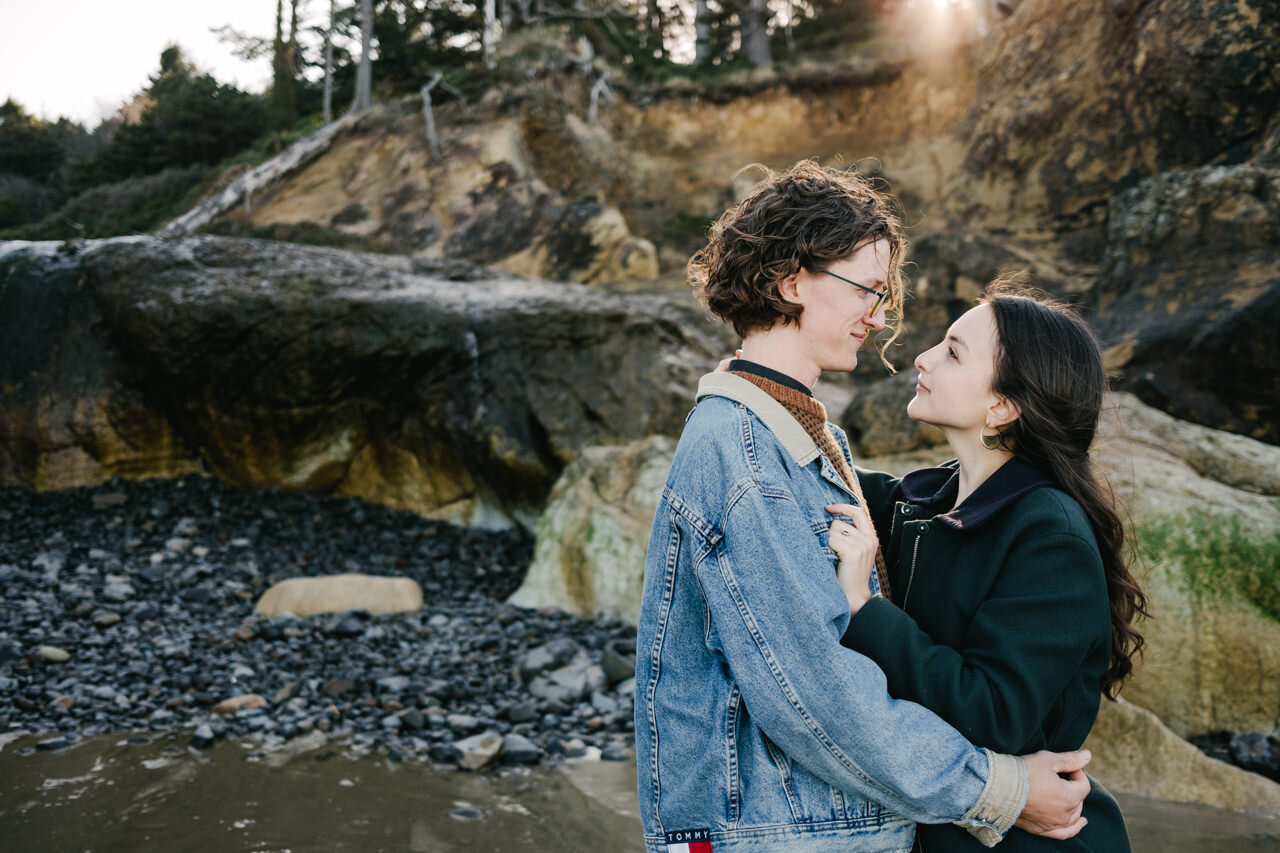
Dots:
pixel 937 487
pixel 772 413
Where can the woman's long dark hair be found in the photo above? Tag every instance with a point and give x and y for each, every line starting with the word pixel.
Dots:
pixel 1049 363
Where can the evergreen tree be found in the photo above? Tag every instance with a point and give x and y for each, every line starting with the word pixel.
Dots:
pixel 193 119
pixel 28 146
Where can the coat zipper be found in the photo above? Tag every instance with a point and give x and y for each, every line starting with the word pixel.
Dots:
pixel 911 575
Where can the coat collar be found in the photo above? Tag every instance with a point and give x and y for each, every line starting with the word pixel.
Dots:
pixel 937 487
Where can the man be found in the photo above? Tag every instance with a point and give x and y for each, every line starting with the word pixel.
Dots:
pixel 755 729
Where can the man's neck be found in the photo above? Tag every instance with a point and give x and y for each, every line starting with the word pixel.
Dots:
pixel 781 350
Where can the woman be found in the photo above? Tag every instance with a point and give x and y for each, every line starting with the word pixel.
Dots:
pixel 1011 604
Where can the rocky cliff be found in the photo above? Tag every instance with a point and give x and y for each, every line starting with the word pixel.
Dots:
pixel 441 387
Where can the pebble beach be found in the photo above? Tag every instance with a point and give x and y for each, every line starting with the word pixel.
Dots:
pixel 129 608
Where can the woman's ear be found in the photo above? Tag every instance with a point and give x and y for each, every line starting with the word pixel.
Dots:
pixel 1002 413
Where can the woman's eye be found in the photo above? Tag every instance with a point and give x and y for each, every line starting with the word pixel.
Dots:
pixel 951 353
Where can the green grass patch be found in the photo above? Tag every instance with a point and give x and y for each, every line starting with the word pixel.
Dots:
pixel 1217 557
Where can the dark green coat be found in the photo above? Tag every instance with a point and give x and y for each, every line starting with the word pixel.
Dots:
pixel 999 624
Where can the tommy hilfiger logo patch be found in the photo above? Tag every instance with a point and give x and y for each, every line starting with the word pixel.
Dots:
pixel 689 841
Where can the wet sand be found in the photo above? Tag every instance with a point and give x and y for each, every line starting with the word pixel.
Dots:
pixel 108 794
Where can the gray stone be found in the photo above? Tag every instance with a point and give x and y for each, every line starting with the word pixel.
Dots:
pixel 462 723
pixel 604 703
pixel 517 749
pixel 569 684
pixel 522 712
pixel 394 683
pixel 551 655
pixel 50 562
pixel 53 654
pixel 479 750
pixel 203 737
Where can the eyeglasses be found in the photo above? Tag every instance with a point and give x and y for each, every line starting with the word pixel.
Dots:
pixel 880 295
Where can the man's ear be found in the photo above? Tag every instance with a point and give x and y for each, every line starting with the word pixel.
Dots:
pixel 1002 413
pixel 789 289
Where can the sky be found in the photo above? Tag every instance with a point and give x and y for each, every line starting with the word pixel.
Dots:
pixel 83 58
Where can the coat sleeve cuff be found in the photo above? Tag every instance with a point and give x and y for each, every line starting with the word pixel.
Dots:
pixel 1002 800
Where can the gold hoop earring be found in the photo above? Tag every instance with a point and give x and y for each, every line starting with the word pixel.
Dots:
pixel 991 442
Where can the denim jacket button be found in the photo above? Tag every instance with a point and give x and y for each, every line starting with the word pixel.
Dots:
pixel 908 510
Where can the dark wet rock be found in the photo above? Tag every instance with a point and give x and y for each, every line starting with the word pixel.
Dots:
pixel 523 712
pixel 1253 751
pixel 1256 752
pixel 619 660
pixel 349 624
pixel 517 749
pixel 53 743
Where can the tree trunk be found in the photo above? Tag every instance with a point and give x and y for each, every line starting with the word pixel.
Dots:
pixel 702 33
pixel 653 28
pixel 752 26
pixel 364 72
pixel 291 48
pixel 328 63
pixel 488 38
pixel 282 94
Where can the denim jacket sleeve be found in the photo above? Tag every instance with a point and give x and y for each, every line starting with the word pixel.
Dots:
pixel 776 613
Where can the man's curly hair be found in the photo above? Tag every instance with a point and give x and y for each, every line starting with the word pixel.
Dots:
pixel 807 217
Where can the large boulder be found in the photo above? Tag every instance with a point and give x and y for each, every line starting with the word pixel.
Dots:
pixel 1134 753
pixel 439 387
pixel 591 539
pixel 339 593
pixel 1204 506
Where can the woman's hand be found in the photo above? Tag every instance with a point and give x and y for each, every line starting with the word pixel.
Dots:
pixel 723 366
pixel 855 544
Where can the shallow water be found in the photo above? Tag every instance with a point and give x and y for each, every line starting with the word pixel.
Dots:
pixel 108 794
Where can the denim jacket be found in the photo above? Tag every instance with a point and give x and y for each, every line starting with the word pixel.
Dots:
pixel 755 729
